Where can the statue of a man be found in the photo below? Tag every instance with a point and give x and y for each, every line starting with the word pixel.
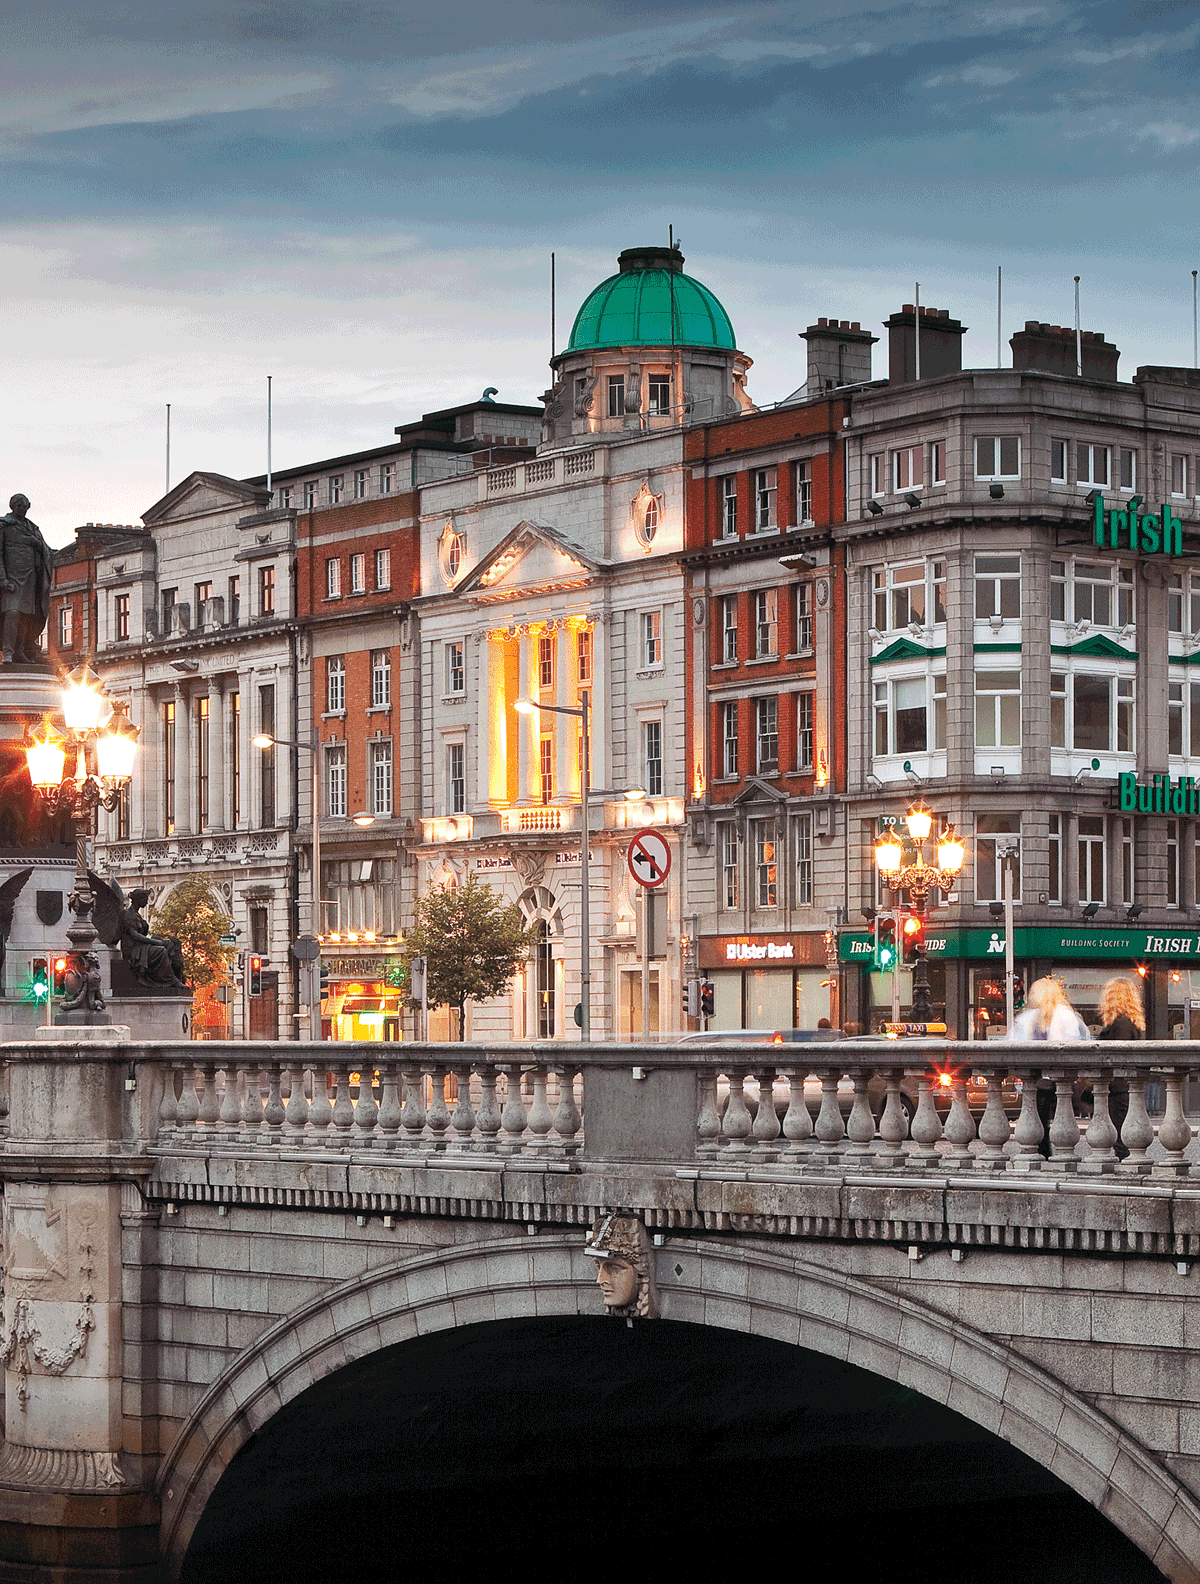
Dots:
pixel 26 572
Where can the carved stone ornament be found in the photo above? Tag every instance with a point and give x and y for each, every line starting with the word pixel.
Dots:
pixel 586 397
pixel 531 866
pixel 646 511
pixel 822 592
pixel 624 1273
pixel 42 1243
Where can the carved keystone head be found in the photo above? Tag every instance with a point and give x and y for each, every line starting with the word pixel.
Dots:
pixel 619 1244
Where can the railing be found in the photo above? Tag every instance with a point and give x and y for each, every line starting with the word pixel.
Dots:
pixel 911 1109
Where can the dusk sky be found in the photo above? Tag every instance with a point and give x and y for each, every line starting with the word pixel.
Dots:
pixel 360 197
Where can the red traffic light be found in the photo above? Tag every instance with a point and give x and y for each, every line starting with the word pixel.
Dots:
pixel 914 935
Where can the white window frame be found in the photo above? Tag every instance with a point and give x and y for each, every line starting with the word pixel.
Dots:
pixel 991 832
pixel 729 506
pixel 937 462
pixel 383 569
pixel 456 777
pixel 1093 464
pixel 729 629
pixel 1122 708
pixel 653 758
pixel 335 781
pixel 1178 463
pixel 764 847
pixel 616 395
pixel 655 406
pixel 908 469
pixel 382 777
pixel 878 469
pixel 1127 454
pixel 803 833
pixel 358 572
pixel 652 644
pixel 362 483
pixel 337 488
pixel 995 471
pixel 883 706
pixel 994 726
pixel 335 685
pixel 893 598
pixel 766 624
pixel 1060 459
pixel 1092 845
pixel 729 740
pixel 456 668
pixel 729 853
pixel 804 618
pixel 386 476
pixel 766 734
pixel 765 491
pixel 805 730
pixel 381 679
pixel 1002 569
pixel 804 493
pixel 1183 717
pixel 333 577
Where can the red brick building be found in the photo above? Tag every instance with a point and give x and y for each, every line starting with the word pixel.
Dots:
pixel 766 704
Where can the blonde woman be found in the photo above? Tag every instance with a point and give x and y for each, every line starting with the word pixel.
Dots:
pixel 1121 1013
pixel 1048 1015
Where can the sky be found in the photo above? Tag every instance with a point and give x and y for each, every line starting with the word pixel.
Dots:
pixel 360 198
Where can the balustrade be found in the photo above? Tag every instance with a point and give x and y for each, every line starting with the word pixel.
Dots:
pixel 820 1109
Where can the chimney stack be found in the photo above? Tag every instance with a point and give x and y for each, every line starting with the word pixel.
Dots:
pixel 1050 349
pixel 839 353
pixel 941 344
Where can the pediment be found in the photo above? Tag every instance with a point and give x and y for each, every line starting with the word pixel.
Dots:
pixel 756 790
pixel 904 649
pixel 534 557
pixel 1097 647
pixel 201 494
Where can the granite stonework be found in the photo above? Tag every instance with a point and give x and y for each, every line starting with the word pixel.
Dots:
pixel 190 1242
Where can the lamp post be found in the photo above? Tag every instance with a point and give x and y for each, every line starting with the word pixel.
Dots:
pixel 76 774
pixel 903 868
pixel 267 740
pixel 529 707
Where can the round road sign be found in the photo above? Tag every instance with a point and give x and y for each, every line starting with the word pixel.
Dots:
pixel 649 857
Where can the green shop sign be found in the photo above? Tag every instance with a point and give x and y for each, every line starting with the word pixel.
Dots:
pixel 1143 533
pixel 1137 944
pixel 1160 797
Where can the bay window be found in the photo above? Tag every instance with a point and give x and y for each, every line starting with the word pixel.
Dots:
pixel 910 714
pixel 997 709
pixel 998 587
pixel 914 591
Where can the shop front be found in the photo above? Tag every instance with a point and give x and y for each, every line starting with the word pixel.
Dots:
pixel 966 973
pixel 363 996
pixel 769 981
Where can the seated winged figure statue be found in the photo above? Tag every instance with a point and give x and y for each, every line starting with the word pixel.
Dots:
pixel 155 960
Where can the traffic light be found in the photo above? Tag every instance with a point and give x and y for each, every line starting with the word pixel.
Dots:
pixel 254 975
pixel 324 980
pixel 708 998
pixel 39 980
pixel 885 943
pixel 691 998
pixel 60 976
pixel 914 936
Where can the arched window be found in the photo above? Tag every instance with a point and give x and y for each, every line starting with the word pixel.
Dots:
pixel 544 983
pixel 650 520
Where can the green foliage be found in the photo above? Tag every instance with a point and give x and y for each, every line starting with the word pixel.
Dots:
pixel 471 942
pixel 193 913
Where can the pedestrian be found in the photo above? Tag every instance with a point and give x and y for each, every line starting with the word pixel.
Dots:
pixel 1047 1015
pixel 1121 1018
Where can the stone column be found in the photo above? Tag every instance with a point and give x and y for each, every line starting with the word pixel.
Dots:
pixel 243 729
pixel 529 729
pixel 601 761
pixel 216 755
pixel 486 709
pixel 183 761
pixel 566 728
pixel 286 758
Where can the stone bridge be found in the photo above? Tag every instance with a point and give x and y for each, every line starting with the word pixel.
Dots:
pixel 195 1235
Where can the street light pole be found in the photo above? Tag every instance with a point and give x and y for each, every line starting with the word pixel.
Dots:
pixel 266 740
pixel 919 878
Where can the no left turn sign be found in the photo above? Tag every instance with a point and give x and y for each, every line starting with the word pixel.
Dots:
pixel 649 858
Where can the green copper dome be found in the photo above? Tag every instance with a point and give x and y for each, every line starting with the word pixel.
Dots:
pixel 634 307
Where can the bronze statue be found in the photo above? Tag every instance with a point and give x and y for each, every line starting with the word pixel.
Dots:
pixel 26 573
pixel 82 984
pixel 9 892
pixel 154 960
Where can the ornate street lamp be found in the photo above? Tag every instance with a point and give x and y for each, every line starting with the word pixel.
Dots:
pixel 902 867
pixel 75 774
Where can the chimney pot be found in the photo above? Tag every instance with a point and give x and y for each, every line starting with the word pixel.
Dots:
pixel 906 308
pixel 822 320
pixel 856 324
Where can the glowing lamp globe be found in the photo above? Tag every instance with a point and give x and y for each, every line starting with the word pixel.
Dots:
pixel 919 820
pixel 888 854
pixel 45 756
pixel 83 702
pixel 115 749
pixel 950 851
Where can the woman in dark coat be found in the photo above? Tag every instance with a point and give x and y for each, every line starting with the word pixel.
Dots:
pixel 1121 1018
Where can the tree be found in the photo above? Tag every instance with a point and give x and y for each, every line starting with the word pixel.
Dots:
pixel 193 914
pixel 471 942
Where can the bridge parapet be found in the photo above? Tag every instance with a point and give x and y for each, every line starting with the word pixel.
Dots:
pixel 920 1142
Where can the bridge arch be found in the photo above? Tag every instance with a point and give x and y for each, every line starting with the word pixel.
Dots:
pixel 707 1283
